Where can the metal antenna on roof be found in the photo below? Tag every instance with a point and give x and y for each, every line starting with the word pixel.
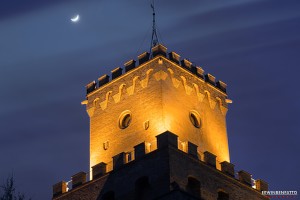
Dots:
pixel 154 38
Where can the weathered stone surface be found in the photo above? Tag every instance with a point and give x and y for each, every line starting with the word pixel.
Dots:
pixel 162 94
pixel 133 108
pixel 167 170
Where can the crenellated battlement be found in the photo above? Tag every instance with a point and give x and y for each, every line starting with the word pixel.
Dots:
pixel 166 140
pixel 143 58
pixel 181 73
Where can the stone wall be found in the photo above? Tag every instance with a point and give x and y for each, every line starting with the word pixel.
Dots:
pixel 160 95
pixel 167 170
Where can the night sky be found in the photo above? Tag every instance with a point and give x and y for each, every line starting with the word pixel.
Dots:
pixel 46 61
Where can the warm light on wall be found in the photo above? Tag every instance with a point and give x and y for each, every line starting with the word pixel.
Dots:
pixel 184 146
pixel 160 61
pixel 148 147
pixel 168 119
pixel 157 97
pixel 159 126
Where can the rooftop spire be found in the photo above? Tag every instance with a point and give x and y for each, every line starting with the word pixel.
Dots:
pixel 154 38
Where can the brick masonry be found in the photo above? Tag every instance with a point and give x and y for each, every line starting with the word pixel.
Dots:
pixel 167 170
pixel 159 96
pixel 162 93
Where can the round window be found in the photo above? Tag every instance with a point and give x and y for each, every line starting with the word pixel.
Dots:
pixel 195 118
pixel 125 119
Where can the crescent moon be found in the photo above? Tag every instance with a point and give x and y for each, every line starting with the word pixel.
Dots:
pixel 75 19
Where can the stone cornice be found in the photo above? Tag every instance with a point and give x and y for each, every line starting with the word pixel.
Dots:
pixel 160 69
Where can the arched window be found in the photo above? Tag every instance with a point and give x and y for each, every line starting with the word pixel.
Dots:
pixel 223 196
pixel 193 187
pixel 108 196
pixel 142 188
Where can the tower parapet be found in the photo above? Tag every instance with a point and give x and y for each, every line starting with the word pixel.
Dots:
pixel 158 50
pixel 161 93
pixel 144 57
pixel 165 140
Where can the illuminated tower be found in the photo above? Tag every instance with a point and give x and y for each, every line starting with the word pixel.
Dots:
pixel 156 96
pixel 158 131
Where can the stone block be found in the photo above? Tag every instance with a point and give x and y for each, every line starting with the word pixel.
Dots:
pixel 159 50
pixel 144 57
pixel 227 168
pixel 192 150
pixel 245 177
pixel 99 170
pixel 261 185
pixel 78 179
pixel 102 80
pixel 129 65
pixel 119 160
pixel 186 64
pixel 140 150
pixel 167 139
pixel 174 57
pixel 210 159
pixel 116 73
pixel 59 188
pixel 222 86
pixel 200 72
pixel 210 79
pixel 90 87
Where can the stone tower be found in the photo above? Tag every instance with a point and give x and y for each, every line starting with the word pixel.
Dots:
pixel 158 131
pixel 158 95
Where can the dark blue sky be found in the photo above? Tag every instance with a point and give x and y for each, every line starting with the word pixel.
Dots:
pixel 45 62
